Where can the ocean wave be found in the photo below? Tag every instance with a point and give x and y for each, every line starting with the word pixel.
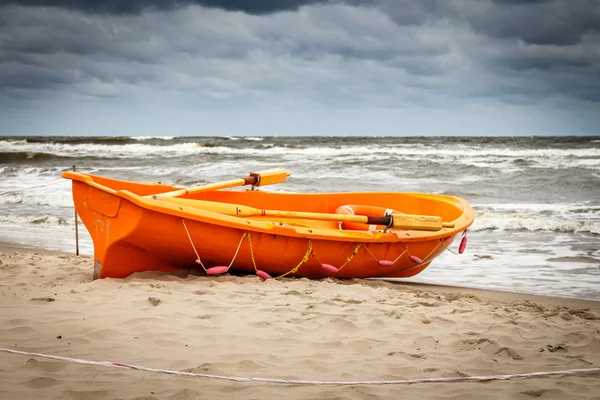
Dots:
pixel 536 208
pixel 132 149
pixel 108 140
pixel 14 141
pixel 28 157
pixel 534 223
pixel 152 137
pixel 478 156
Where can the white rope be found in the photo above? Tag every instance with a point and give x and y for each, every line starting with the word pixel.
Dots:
pixel 198 255
pixel 449 379
pixel 237 251
pixel 198 260
pixel 33 187
pixel 447 248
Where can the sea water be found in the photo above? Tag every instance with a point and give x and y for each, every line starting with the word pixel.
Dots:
pixel 537 200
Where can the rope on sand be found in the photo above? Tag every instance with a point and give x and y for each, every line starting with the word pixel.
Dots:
pixel 450 379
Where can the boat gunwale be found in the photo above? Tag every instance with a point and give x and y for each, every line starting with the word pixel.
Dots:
pixel 461 223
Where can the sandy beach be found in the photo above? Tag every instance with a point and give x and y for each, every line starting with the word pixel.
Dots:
pixel 325 330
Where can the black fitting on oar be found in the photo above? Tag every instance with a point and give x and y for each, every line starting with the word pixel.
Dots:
pixel 385 221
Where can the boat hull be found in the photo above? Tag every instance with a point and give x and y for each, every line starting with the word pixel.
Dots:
pixel 134 233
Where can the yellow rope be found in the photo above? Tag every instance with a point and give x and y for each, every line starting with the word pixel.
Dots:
pixel 304 260
pixel 351 256
pixel 251 251
pixel 309 251
pixel 293 270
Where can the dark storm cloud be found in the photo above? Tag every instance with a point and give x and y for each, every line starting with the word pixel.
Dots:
pixel 137 6
pixel 559 22
pixel 360 52
pixel 545 22
pixel 520 1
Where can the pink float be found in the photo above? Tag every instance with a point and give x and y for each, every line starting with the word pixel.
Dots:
pixel 463 245
pixel 415 259
pixel 329 268
pixel 263 275
pixel 217 270
pixel 385 263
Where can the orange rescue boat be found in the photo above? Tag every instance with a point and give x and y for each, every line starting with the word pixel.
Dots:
pixel 140 227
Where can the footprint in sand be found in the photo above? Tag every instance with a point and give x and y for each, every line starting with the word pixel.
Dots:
pixel 42 299
pixel 35 365
pixel 40 382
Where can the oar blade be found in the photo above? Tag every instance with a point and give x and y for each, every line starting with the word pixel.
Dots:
pixel 236 210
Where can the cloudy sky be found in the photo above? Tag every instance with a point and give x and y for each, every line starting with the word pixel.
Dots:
pixel 300 67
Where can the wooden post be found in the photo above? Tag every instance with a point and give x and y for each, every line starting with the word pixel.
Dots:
pixel 76 227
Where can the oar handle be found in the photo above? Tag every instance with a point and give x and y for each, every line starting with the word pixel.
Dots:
pixel 396 221
pixel 260 178
pixel 408 221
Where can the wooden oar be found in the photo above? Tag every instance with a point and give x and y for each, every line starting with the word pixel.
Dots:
pixel 260 178
pixel 398 221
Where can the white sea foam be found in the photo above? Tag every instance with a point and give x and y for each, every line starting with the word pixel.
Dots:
pixel 556 217
pixel 16 141
pixel 132 150
pixel 32 187
pixel 540 207
pixel 57 199
pixel 33 219
pixel 30 176
pixel 471 156
pixel 529 222
pixel 47 235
